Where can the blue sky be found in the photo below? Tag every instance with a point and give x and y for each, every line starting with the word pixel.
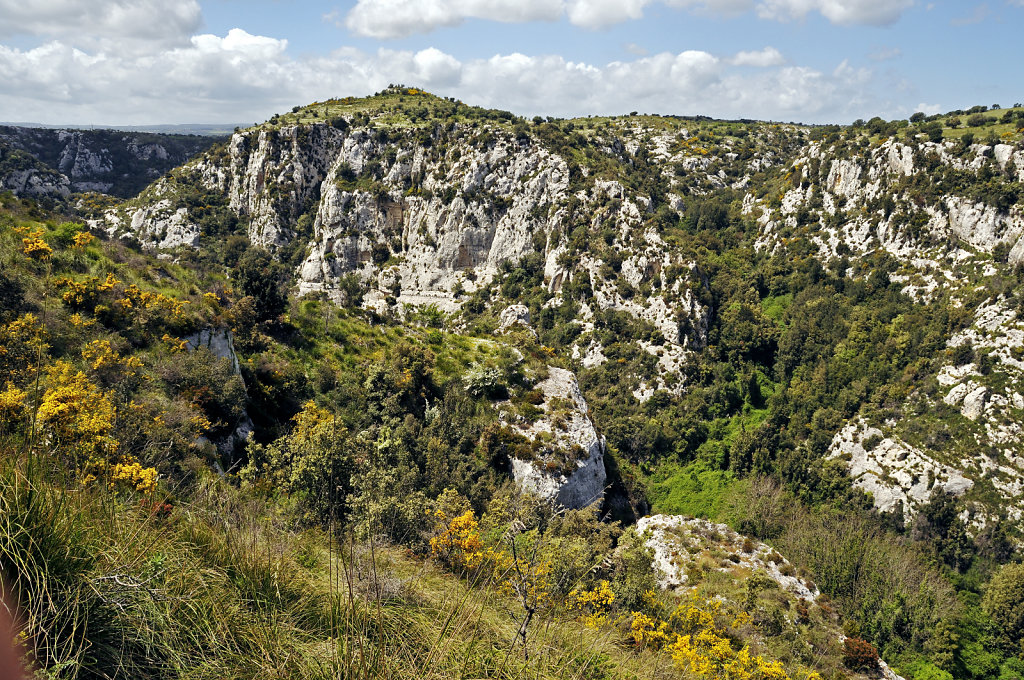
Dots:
pixel 234 61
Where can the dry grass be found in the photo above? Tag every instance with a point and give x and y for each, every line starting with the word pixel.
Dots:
pixel 228 587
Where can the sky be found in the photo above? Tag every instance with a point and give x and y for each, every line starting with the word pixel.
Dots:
pixel 146 62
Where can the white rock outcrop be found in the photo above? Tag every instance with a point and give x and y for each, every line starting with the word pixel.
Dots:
pixel 36 183
pixel 429 222
pixel 897 475
pixel 678 542
pixel 565 419
pixel 515 316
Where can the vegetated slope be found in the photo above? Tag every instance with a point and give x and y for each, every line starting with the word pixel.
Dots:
pixel 106 161
pixel 371 527
pixel 653 235
pixel 741 298
pixel 758 341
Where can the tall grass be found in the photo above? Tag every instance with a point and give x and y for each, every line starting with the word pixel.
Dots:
pixel 227 586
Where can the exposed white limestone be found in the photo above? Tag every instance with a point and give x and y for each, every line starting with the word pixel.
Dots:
pixel 897 475
pixel 679 543
pixel 567 423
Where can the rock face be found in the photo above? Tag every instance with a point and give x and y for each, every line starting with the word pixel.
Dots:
pixel 514 316
pixel 426 216
pixel 842 193
pixel 457 211
pixel 24 175
pixel 221 344
pixel 470 216
pixel 565 419
pixel 107 161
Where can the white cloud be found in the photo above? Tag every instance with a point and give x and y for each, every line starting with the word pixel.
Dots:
pixel 99 23
pixel 769 56
pixel 402 18
pixel 844 12
pixel 724 7
pixel 603 13
pixel 243 78
pixel 240 44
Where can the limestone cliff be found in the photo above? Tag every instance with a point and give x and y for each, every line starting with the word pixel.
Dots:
pixel 567 425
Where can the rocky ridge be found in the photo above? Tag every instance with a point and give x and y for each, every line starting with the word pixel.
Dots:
pixel 683 544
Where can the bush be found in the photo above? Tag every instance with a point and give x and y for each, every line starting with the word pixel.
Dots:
pixel 261 278
pixel 859 654
pixel 1004 601
pixel 485 382
pixel 209 382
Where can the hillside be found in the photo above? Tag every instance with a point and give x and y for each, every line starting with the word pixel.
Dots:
pixel 105 161
pixel 366 312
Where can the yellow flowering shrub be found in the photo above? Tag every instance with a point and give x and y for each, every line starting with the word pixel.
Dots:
pixel 697 635
pixel 709 654
pixel 143 299
pixel 85 293
pixel 12 405
pixel 111 301
pixel 129 472
pixel 76 414
pixel 696 614
pixel 176 345
pixel 35 247
pixel 459 544
pixel 647 631
pixel 100 354
pixel 78 417
pixel 22 343
pixel 81 240
pixel 592 604
pixel 78 321
pixel 106 364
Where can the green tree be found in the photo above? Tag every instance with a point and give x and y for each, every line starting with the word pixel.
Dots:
pixel 1004 602
pixel 260 277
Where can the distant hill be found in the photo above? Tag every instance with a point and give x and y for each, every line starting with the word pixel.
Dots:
pixel 108 161
pixel 202 129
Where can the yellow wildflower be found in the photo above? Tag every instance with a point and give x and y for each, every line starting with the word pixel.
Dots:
pixel 82 239
pixel 131 473
pixel 35 247
pixel 12 404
